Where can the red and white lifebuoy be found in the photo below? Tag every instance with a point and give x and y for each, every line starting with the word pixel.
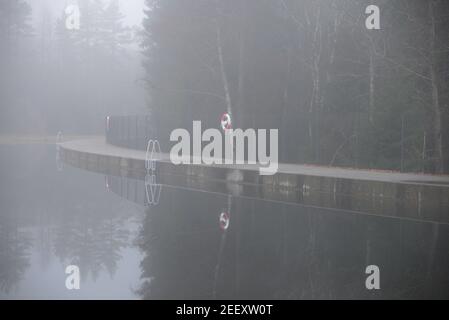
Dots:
pixel 226 121
pixel 224 221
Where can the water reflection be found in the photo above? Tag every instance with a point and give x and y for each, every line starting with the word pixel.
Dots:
pixel 15 247
pixel 52 219
pixel 224 221
pixel 166 239
pixel 283 251
pixel 145 193
pixel 152 190
pixel 92 242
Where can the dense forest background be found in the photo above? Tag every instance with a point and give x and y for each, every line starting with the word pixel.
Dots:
pixel 339 93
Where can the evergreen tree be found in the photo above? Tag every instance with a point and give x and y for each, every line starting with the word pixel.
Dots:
pixel 339 93
pixel 15 16
pixel 92 61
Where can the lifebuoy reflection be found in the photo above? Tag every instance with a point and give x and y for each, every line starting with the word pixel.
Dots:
pixel 224 222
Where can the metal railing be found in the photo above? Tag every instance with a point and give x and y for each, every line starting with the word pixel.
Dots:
pixel 134 131
pixel 130 131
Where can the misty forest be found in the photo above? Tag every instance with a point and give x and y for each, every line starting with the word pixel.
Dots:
pixel 340 94
pixel 92 205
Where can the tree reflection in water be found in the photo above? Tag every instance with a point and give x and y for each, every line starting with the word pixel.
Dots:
pixel 274 250
pixel 51 219
pixel 92 240
pixel 15 245
pixel 180 246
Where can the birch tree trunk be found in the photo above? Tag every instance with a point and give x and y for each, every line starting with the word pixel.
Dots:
pixel 316 101
pixel 224 77
pixel 438 146
pixel 371 84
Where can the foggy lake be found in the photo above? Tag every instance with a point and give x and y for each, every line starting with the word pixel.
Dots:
pixel 179 248
pixel 224 149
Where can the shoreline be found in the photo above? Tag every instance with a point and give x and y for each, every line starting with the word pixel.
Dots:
pixel 418 196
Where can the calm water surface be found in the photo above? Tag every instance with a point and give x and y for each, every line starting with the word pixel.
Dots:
pixel 50 219
pixel 170 242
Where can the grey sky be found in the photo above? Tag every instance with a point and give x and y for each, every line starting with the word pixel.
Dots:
pixel 133 9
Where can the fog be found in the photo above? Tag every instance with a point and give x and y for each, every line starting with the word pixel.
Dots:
pixel 354 87
pixel 131 9
pixel 224 149
pixel 57 81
